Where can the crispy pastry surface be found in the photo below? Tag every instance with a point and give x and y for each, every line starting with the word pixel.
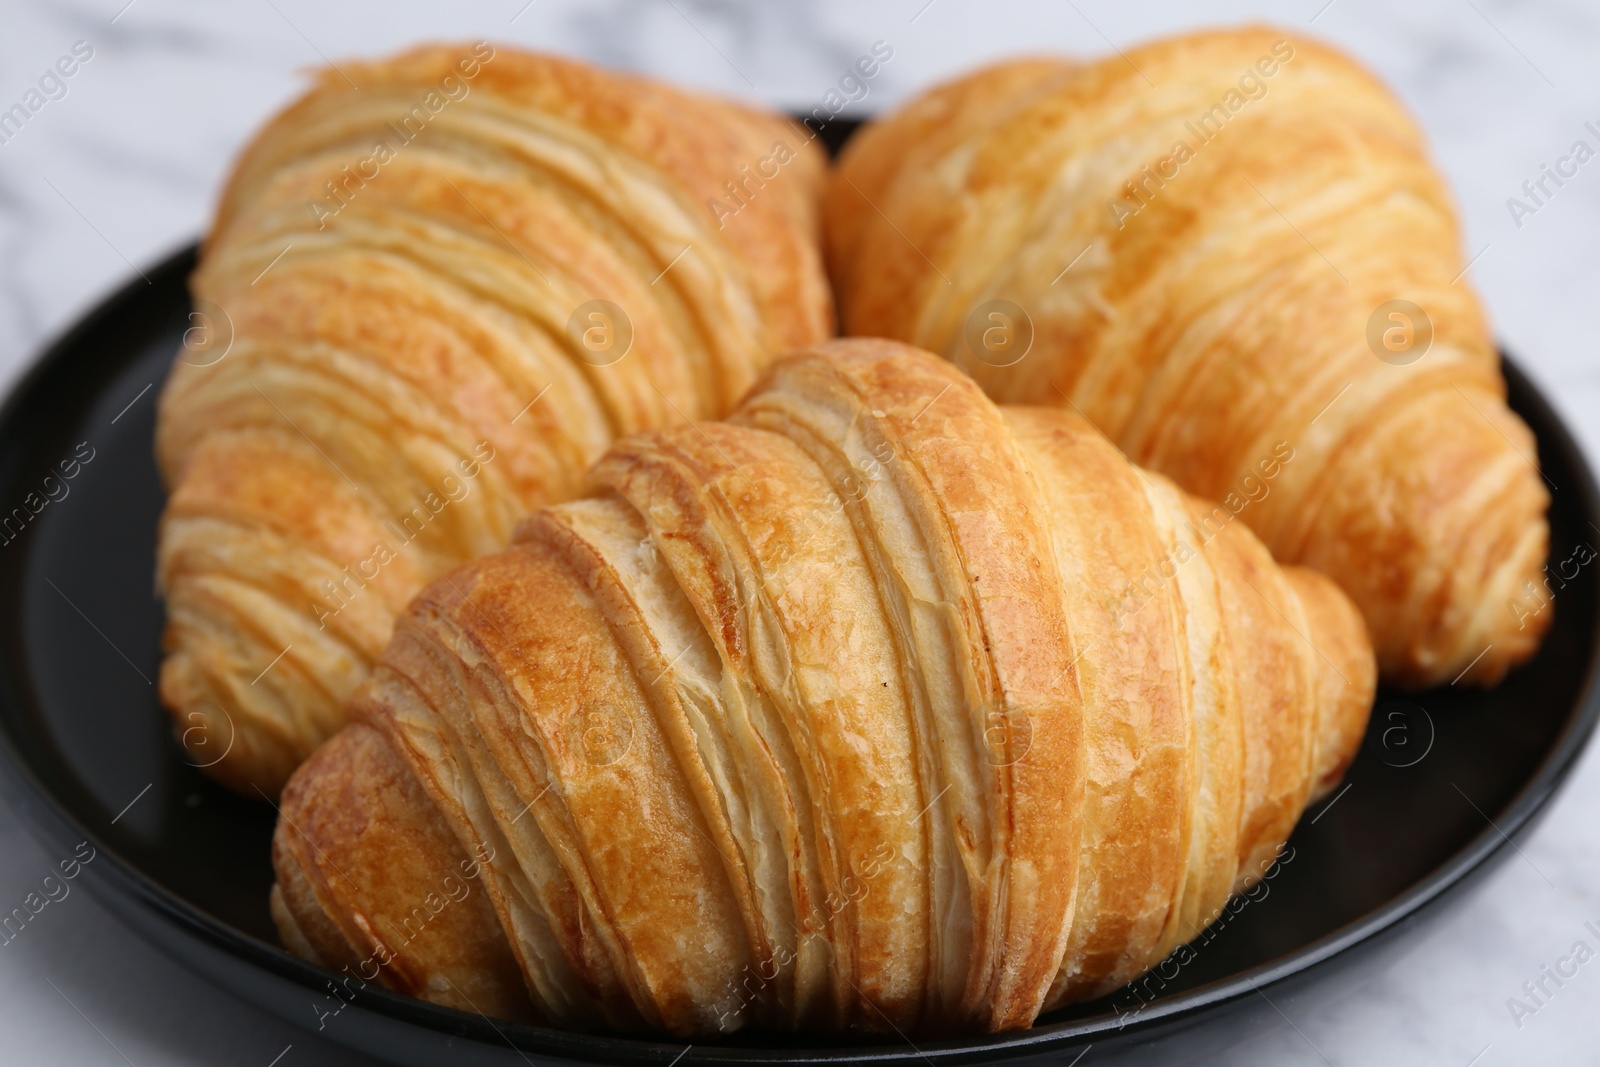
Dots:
pixel 387 374
pixel 1205 235
pixel 876 706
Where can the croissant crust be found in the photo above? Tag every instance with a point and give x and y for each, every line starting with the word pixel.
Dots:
pixel 829 716
pixel 1224 248
pixel 397 352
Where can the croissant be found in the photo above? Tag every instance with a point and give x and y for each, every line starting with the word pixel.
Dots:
pixel 427 305
pixel 1207 246
pixel 827 716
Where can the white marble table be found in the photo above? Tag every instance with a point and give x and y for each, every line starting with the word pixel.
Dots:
pixel 124 168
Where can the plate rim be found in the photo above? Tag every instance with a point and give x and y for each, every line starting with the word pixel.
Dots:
pixel 50 823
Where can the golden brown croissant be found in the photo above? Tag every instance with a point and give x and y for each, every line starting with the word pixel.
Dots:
pixel 825 716
pixel 443 293
pixel 1213 244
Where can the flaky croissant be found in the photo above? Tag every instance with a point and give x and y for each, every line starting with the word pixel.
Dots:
pixel 827 716
pixel 1213 244
pixel 438 286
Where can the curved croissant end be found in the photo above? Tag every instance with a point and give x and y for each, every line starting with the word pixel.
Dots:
pixel 1224 249
pixel 425 308
pixel 874 706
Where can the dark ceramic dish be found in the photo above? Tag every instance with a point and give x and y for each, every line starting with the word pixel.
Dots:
pixel 1446 781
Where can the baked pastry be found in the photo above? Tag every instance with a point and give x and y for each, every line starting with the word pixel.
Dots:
pixel 826 716
pixel 427 304
pixel 1210 245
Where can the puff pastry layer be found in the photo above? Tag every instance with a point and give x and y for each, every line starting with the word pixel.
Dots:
pixel 1205 240
pixel 399 354
pixel 828 716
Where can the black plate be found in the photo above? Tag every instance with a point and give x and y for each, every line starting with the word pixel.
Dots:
pixel 1446 780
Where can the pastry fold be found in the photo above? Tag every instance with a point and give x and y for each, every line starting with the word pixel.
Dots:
pixel 833 715
pixel 437 287
pixel 1213 246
